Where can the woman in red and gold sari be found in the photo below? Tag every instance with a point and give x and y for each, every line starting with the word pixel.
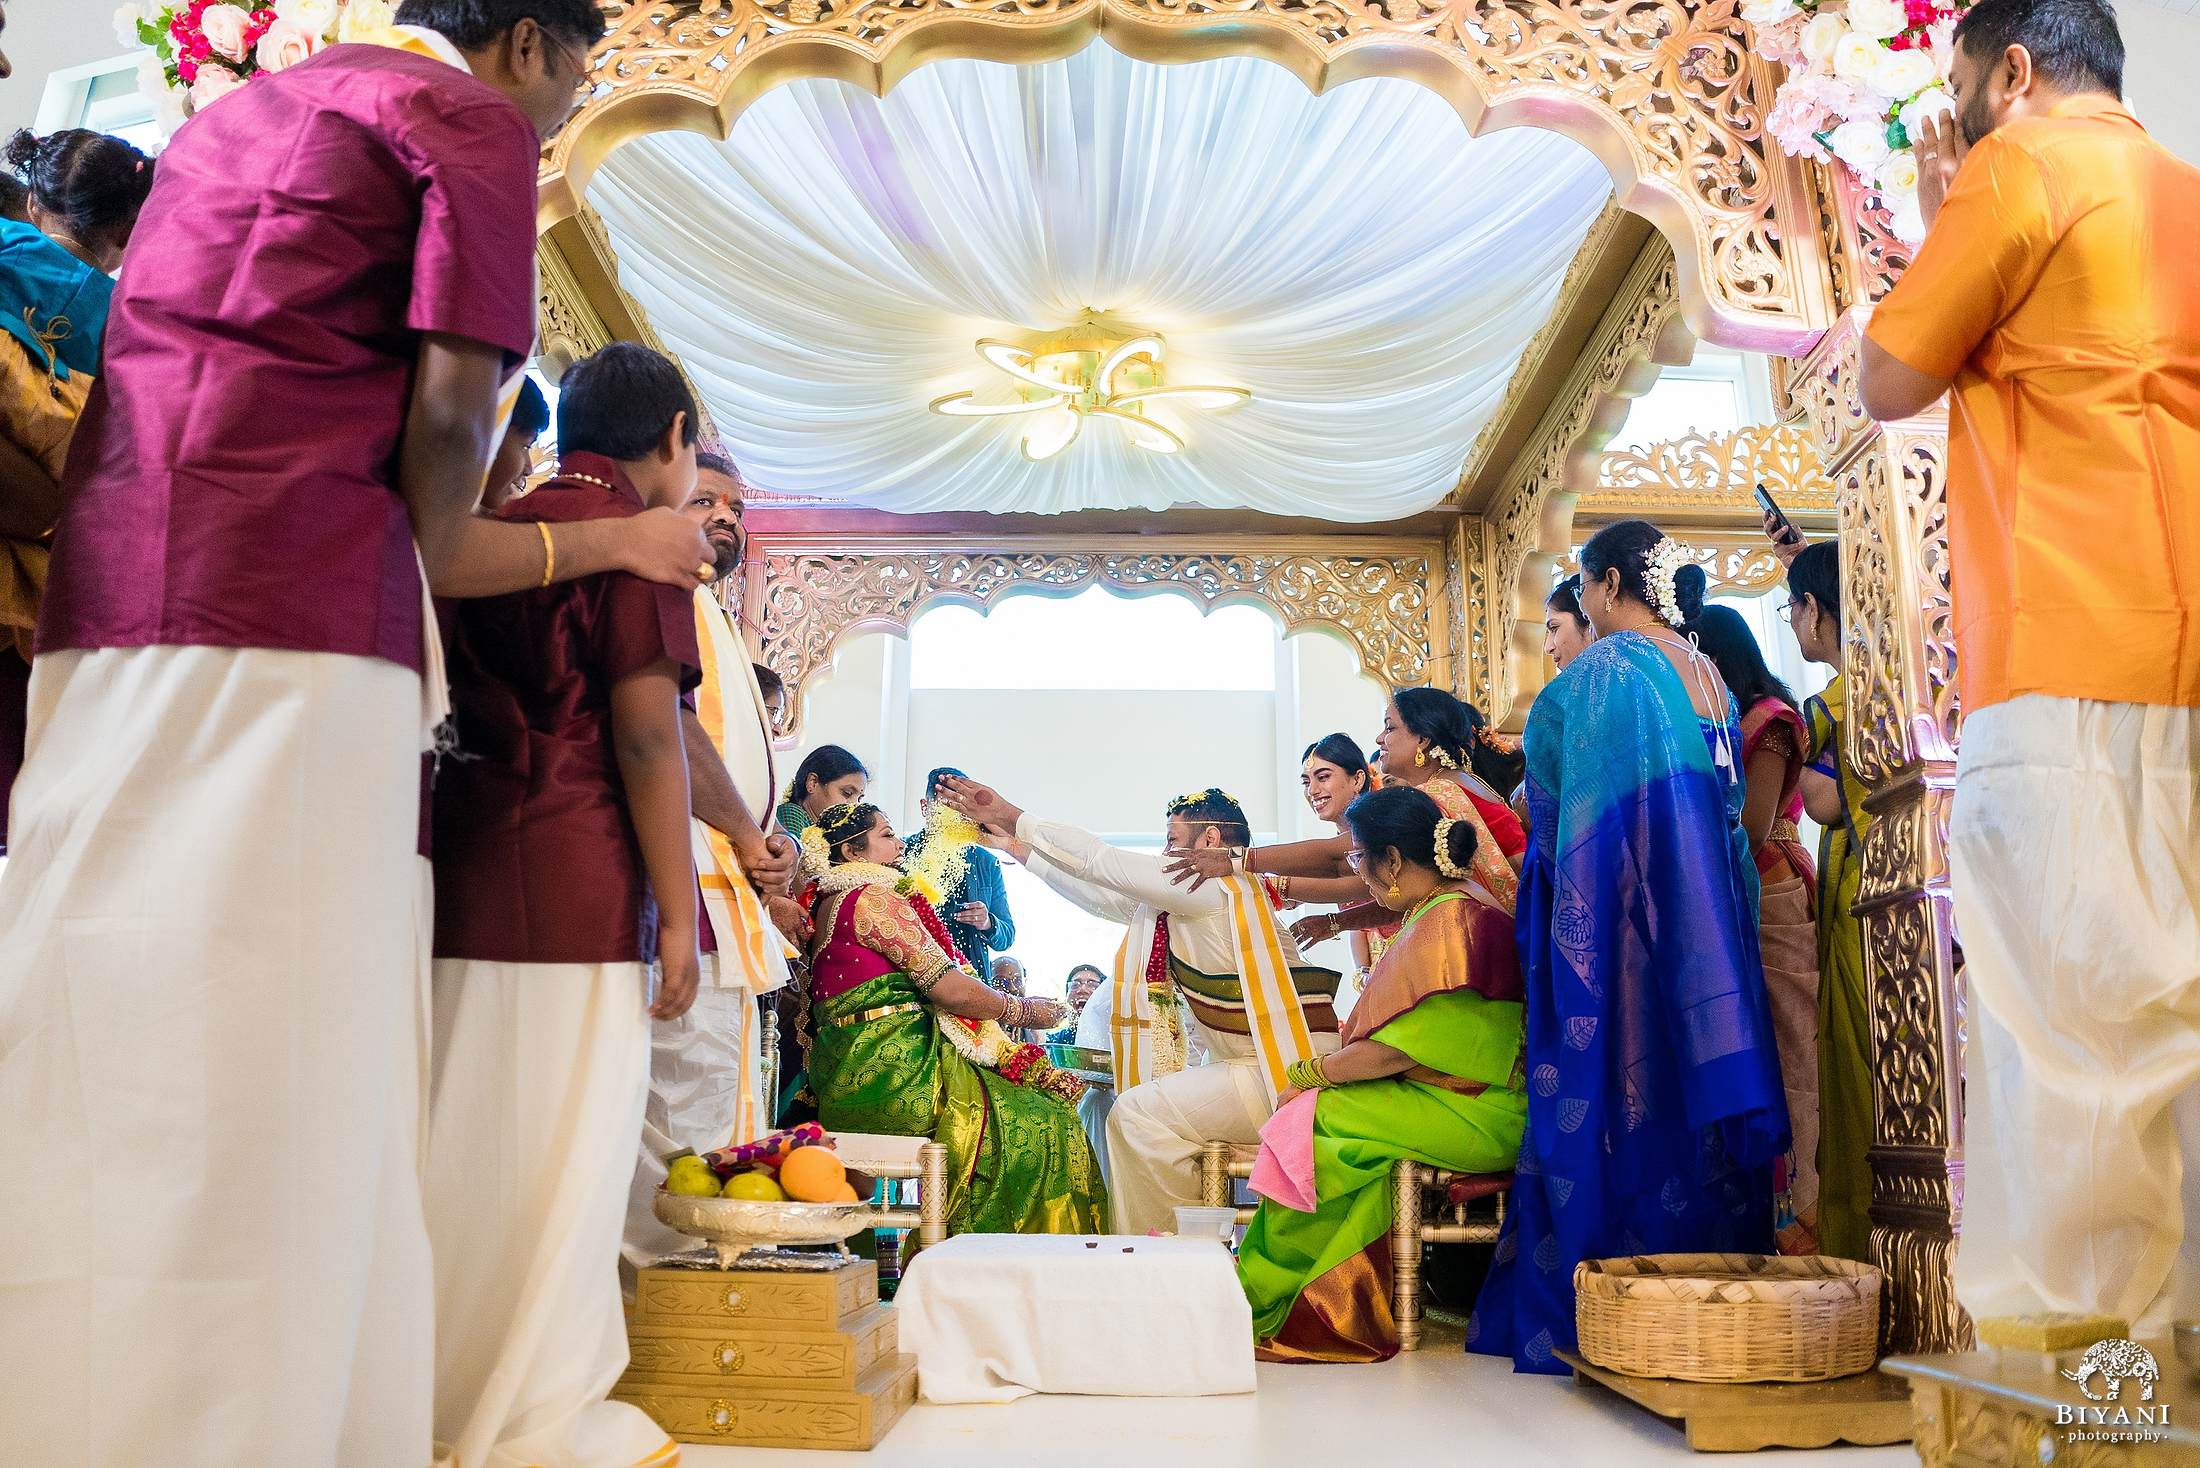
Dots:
pixel 1429 1069
pixel 911 1044
pixel 1774 742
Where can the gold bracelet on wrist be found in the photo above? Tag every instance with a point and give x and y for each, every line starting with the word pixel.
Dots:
pixel 549 553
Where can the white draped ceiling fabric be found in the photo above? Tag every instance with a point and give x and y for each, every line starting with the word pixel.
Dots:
pixel 1365 268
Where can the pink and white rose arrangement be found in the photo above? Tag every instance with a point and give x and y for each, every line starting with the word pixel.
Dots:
pixel 1861 74
pixel 202 50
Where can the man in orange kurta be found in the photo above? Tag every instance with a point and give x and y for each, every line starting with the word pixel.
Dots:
pixel 2055 294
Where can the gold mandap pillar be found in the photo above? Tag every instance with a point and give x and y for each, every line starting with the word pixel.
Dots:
pixel 1901 730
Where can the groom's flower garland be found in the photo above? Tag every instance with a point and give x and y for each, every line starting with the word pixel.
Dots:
pixel 981 1042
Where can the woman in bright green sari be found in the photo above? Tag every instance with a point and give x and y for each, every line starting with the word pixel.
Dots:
pixel 1428 1070
pixel 910 1043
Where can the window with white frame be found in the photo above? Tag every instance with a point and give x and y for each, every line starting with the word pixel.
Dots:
pixel 1718 392
pixel 102 96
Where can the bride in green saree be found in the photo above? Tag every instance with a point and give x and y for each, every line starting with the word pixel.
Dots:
pixel 1429 1069
pixel 910 1043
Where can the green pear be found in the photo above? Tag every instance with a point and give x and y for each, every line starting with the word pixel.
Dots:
pixel 691 1176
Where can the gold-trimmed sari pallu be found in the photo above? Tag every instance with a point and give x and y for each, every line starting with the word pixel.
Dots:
pixel 884 1061
pixel 1275 1005
pixel 1448 994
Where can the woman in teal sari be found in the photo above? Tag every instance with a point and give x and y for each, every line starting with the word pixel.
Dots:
pixel 910 1043
pixel 1429 1069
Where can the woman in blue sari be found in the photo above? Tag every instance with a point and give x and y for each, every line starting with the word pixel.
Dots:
pixel 1655 1108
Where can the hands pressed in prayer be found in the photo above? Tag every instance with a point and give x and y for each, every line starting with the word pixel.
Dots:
pixel 975 915
pixel 1940 152
pixel 1197 865
pixel 982 803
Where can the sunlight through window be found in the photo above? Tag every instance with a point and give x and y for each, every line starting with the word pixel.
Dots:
pixel 1095 640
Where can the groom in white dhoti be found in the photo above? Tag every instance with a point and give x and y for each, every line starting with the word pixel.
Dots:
pixel 1220 951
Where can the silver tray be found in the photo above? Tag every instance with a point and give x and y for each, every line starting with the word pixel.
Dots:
pixel 733 1226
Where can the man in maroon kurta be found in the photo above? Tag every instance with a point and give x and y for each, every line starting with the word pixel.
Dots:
pixel 213 930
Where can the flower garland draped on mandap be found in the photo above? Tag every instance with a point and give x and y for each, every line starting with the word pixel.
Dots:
pixel 202 50
pixel 1861 74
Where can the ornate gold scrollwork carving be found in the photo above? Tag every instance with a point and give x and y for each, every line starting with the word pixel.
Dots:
pixel 1823 388
pixel 568 325
pixel 1666 92
pixel 1466 579
pixel 1712 474
pixel 804 599
pixel 1900 731
pixel 1898 623
pixel 1530 520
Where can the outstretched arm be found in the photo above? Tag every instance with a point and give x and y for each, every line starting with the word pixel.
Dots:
pixel 1293 859
pixel 1108 906
pixel 1136 875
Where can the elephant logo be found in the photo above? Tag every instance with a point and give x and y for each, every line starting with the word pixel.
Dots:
pixel 2113 1362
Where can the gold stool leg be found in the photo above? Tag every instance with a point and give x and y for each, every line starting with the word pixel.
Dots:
pixel 1405 1252
pixel 767 1039
pixel 1214 1175
pixel 931 1199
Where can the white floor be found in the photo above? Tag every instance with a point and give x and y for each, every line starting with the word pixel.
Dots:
pixel 1439 1407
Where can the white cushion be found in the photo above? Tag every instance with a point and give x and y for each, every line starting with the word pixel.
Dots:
pixel 880 1156
pixel 994 1317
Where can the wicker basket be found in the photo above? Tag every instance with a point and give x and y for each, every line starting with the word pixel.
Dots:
pixel 1728 1317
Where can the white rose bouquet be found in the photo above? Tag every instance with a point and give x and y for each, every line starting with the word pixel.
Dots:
pixel 199 51
pixel 1861 74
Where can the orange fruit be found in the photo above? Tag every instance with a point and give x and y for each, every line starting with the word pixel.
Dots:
pixel 847 1194
pixel 812 1174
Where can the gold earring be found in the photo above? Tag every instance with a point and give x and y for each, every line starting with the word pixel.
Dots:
pixel 1420 758
pixel 1395 896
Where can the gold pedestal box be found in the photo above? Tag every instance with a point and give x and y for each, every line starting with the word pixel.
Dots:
pixel 767 1359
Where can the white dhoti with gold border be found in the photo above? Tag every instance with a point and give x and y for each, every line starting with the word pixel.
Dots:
pixel 539 1077
pixel 213 965
pixel 2074 850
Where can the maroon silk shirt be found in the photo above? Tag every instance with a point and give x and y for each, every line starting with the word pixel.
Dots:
pixel 232 479
pixel 535 856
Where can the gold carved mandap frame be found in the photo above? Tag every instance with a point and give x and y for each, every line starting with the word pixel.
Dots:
pixel 1754 250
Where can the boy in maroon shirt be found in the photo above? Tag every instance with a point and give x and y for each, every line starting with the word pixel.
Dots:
pixel 561 822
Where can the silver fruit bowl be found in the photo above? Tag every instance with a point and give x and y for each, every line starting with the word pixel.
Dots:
pixel 736 1225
